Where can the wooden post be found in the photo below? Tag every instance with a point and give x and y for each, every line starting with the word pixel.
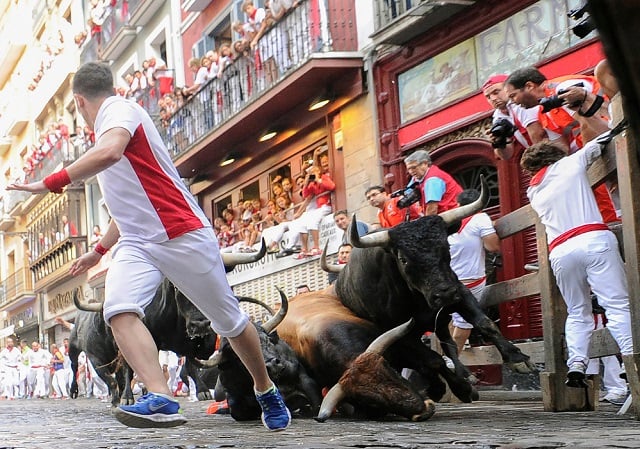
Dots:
pixel 556 396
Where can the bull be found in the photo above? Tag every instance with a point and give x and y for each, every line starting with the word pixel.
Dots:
pixel 298 389
pixel 174 323
pixel 404 272
pixel 345 353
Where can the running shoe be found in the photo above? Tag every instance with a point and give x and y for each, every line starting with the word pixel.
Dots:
pixel 275 414
pixel 151 410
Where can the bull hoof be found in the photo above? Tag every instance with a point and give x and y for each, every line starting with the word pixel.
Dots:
pixel 204 396
pixel 430 409
pixel 127 401
pixel 524 367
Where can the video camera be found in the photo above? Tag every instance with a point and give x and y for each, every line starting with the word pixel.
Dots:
pixel 554 101
pixel 502 130
pixel 410 195
pixel 585 26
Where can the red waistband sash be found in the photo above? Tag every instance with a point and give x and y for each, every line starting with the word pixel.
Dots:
pixel 476 282
pixel 577 231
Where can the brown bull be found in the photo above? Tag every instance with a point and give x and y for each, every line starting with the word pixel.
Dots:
pixel 344 352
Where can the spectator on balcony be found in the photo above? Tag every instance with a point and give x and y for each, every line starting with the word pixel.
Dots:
pixel 317 188
pixel 274 44
pixel 287 188
pixel 96 235
pixel 68 228
pixel 194 66
pixel 255 16
pixel 276 189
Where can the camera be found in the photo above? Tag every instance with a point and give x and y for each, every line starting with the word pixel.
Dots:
pixel 585 26
pixel 410 195
pixel 553 101
pixel 312 177
pixel 502 130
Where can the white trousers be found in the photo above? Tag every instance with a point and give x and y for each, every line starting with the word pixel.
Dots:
pixel 192 262
pixel 592 262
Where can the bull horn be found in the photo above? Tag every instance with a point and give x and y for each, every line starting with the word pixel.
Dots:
pixel 329 267
pixel 330 402
pixel 453 215
pixel 380 238
pixel 382 343
pixel 212 361
pixel 230 260
pixel 87 307
pixel 270 325
pixel 255 301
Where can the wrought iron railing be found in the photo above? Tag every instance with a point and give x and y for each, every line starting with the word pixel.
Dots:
pixel 16 285
pixel 389 10
pixel 287 45
pixel 59 256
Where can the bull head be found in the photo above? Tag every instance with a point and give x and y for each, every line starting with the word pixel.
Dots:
pixel 381 238
pixel 337 393
pixel 269 327
pixel 329 267
pixel 230 260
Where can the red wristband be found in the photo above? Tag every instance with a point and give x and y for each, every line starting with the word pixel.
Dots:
pixel 100 249
pixel 56 181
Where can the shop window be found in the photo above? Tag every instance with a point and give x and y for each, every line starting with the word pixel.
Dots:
pixel 250 192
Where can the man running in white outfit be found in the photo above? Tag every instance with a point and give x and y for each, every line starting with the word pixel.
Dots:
pixel 157 230
pixel 583 252
pixel 10 363
pixel 467 248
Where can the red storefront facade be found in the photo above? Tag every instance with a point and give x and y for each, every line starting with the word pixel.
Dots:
pixel 416 112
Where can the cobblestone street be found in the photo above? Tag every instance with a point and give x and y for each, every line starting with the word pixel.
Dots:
pixel 489 423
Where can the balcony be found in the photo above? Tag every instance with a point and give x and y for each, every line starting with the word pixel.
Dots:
pixel 91 50
pixel 14 119
pixel 15 33
pixel 53 263
pixel 142 11
pixel 195 5
pixel 399 21
pixel 117 32
pixel 55 78
pixel 17 287
pixel 13 200
pixel 307 51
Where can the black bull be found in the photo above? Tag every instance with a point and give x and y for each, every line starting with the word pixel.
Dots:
pixel 404 272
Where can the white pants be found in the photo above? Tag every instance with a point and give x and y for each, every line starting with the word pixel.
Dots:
pixel 59 383
pixel 38 381
pixel 592 262
pixel 192 262
pixel 611 368
pixel 10 380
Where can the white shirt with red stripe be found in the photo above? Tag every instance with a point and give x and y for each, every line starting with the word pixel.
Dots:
pixel 520 117
pixel 467 248
pixel 562 195
pixel 143 190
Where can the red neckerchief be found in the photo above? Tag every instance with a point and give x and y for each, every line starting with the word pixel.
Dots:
pixel 537 178
pixel 464 222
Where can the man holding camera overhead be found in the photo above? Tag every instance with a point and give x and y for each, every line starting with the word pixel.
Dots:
pixel 572 110
pixel 436 189
pixel 510 121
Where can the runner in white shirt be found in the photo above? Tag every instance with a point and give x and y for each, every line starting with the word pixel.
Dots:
pixel 157 230
pixel 467 248
pixel 38 377
pixel 10 363
pixel 583 252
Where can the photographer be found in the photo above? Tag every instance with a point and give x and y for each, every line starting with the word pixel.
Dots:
pixel 389 213
pixel 572 111
pixel 573 108
pixel 437 188
pixel 510 121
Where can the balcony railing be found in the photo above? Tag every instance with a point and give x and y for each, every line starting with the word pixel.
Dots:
pixel 388 10
pixel 12 198
pixel 307 29
pixel 58 257
pixel 16 285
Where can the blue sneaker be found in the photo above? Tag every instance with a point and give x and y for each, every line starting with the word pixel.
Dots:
pixel 151 410
pixel 275 414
